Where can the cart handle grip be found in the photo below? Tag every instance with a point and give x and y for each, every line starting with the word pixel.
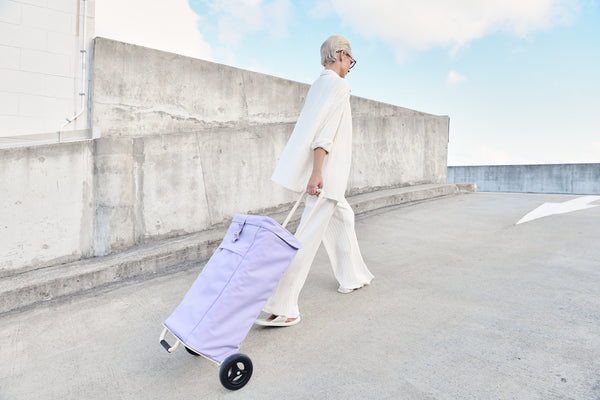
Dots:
pixel 296 206
pixel 166 345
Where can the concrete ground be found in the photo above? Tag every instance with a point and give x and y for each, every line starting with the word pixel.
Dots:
pixel 465 305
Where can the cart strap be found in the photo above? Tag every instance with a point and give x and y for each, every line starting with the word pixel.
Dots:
pixel 296 207
pixel 301 228
pixel 293 209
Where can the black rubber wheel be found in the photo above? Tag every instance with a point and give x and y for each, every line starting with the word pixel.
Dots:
pixel 192 352
pixel 235 371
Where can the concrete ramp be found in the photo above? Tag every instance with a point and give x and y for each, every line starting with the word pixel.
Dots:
pixel 464 305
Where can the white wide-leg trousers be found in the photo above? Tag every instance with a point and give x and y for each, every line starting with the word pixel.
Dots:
pixel 333 224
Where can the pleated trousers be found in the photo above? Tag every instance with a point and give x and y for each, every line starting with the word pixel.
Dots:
pixel 333 224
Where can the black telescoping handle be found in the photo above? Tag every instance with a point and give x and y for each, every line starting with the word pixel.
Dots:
pixel 166 345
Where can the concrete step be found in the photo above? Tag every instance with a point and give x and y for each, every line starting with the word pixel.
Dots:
pixel 49 283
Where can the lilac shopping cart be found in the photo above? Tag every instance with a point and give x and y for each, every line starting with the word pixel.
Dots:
pixel 221 306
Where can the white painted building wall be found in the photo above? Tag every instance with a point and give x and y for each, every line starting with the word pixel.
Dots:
pixel 40 65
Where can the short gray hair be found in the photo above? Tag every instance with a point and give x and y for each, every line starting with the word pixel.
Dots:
pixel 333 44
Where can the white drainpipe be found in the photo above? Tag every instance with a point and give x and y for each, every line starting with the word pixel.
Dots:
pixel 83 52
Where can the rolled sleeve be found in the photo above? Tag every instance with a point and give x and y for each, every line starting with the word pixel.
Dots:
pixel 328 130
pixel 324 144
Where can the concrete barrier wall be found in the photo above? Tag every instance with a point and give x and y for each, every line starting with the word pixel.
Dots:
pixel 201 140
pixel 551 178
pixel 185 144
pixel 46 205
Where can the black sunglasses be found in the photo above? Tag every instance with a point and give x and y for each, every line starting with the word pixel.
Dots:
pixel 352 60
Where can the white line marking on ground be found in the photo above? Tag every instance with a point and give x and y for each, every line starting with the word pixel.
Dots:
pixel 546 209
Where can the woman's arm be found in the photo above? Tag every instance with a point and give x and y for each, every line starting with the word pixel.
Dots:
pixel 316 178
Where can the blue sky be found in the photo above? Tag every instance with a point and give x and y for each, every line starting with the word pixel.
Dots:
pixel 519 79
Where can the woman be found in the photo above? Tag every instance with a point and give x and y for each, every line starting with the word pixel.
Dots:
pixel 319 152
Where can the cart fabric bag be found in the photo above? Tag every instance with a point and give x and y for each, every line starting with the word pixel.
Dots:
pixel 221 306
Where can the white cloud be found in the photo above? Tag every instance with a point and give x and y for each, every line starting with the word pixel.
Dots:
pixel 237 18
pixel 279 13
pixel 321 9
pixel 165 25
pixel 419 25
pixel 454 78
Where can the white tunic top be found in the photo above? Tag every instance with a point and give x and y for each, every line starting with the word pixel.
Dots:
pixel 326 122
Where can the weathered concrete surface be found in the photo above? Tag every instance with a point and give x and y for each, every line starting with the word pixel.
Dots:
pixel 21 290
pixel 550 178
pixel 46 205
pixel 185 145
pixel 140 91
pixel 465 305
pixel 219 131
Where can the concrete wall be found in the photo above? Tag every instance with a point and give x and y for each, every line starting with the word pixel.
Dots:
pixel 551 178
pixel 40 64
pixel 185 144
pixel 46 205
pixel 200 141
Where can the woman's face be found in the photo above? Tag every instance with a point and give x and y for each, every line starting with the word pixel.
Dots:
pixel 347 63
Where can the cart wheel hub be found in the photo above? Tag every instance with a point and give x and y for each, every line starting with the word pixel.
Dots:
pixel 235 371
